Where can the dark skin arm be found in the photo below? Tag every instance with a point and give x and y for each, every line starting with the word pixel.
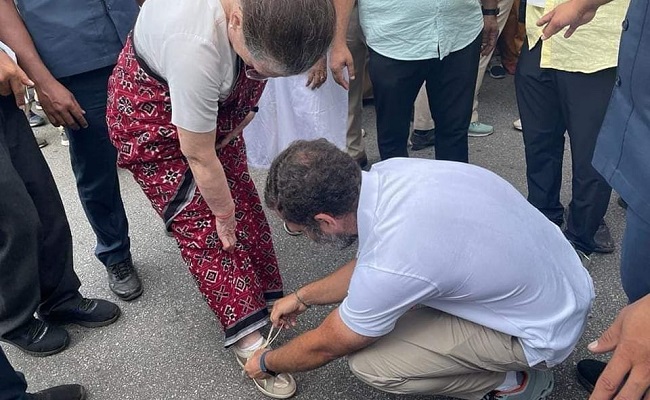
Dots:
pixel 58 103
pixel 490 28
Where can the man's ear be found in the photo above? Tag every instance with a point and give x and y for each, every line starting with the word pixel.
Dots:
pixel 328 223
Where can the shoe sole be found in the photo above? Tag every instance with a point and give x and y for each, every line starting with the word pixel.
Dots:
pixel 471 134
pixel 84 394
pixel 604 250
pixel 132 296
pixel 86 324
pixel 41 353
pixel 260 388
pixel 497 76
pixel 545 392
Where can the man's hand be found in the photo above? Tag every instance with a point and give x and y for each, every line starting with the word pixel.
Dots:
pixel 317 74
pixel 60 106
pixel 572 13
pixel 252 367
pixel 629 337
pixel 340 58
pixel 490 34
pixel 13 79
pixel 286 310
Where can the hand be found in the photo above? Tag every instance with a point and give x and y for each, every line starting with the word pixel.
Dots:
pixel 340 58
pixel 60 106
pixel 286 310
pixel 317 74
pixel 13 79
pixel 252 367
pixel 226 230
pixel 629 337
pixel 572 13
pixel 490 34
pixel 237 131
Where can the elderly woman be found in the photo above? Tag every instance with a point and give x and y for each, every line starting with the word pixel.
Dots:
pixel 185 85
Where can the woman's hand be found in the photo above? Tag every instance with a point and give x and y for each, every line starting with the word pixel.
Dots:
pixel 237 131
pixel 226 229
pixel 317 74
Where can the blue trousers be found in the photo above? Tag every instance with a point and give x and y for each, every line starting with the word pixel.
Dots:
pixel 635 257
pixel 12 383
pixel 94 160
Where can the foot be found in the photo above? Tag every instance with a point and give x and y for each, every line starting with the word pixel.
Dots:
pixel 588 372
pixel 91 313
pixel 38 338
pixel 496 70
pixel 517 125
pixel 63 392
pixel 621 202
pixel 282 386
pixel 41 142
pixel 422 139
pixel 537 385
pixel 123 280
pixel 36 120
pixel 477 129
pixel 603 239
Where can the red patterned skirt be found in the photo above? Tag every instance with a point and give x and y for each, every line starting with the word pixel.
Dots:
pixel 236 285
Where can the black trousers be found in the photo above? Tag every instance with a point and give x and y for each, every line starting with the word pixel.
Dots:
pixel 35 241
pixel 552 102
pixel 450 87
pixel 12 383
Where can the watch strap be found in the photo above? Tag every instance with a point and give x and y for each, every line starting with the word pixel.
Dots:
pixel 490 11
pixel 263 365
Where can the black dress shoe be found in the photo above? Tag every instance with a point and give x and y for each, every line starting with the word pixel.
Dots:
pixel 38 338
pixel 588 371
pixel 621 202
pixel 422 139
pixel 603 239
pixel 91 313
pixel 123 280
pixel 63 392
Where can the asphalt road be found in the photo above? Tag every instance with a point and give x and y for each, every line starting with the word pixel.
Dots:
pixel 168 345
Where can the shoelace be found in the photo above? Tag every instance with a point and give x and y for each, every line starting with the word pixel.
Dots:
pixel 270 338
pixel 122 270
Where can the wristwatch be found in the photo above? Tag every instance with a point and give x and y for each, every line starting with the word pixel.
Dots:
pixel 490 11
pixel 263 365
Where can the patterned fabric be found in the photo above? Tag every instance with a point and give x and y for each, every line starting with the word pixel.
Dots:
pixel 236 285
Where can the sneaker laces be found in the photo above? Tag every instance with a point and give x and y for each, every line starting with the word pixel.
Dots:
pixel 121 270
pixel 270 338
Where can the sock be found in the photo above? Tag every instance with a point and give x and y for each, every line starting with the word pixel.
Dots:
pixel 253 346
pixel 513 380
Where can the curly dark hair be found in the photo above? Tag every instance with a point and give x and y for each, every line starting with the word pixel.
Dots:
pixel 312 177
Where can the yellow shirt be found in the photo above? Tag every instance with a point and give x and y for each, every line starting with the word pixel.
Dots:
pixel 593 47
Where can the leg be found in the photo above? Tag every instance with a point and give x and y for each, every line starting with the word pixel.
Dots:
pixel 502 18
pixel 236 285
pixel 12 384
pixel 584 99
pixel 357 46
pixel 38 258
pixel 635 257
pixel 434 353
pixel 422 120
pixel 543 132
pixel 93 160
pixel 450 88
pixel 395 87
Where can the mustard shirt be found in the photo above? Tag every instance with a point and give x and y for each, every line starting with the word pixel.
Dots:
pixel 592 47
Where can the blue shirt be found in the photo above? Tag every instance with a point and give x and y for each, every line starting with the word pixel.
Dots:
pixel 622 152
pixel 420 29
pixel 76 36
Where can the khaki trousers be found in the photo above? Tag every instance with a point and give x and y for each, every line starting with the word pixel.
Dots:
pixel 422 120
pixel 357 45
pixel 433 353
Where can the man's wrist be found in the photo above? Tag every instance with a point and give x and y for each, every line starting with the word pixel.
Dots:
pixel 264 367
pixel 301 299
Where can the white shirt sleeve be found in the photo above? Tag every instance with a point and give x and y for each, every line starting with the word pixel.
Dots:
pixel 191 67
pixel 377 299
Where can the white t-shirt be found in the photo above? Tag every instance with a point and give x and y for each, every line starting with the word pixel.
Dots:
pixel 460 239
pixel 186 43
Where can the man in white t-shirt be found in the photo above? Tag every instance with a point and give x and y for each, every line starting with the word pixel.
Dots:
pixel 460 286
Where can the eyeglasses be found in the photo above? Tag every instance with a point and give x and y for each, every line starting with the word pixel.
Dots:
pixel 251 73
pixel 289 231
